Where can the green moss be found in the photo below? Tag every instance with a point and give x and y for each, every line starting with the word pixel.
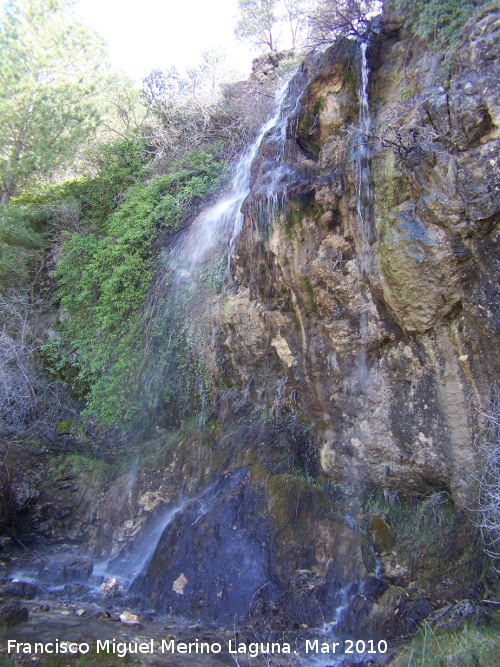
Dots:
pixel 293 498
pixel 296 210
pixel 381 533
pixel 469 647
pixel 309 293
pixel 391 186
pixel 293 218
pixel 406 93
pixel 96 471
pixel 296 321
pixel 438 22
pixel 73 428
pixel 390 192
pixel 306 129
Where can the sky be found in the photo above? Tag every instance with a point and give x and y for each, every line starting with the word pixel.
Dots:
pixel 147 34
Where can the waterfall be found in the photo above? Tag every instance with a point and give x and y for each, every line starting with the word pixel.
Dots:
pixel 222 222
pixel 126 567
pixel 198 263
pixel 363 158
pixel 364 204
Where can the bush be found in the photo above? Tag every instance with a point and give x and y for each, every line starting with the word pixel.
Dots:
pixel 104 277
pixel 489 486
pixel 29 402
pixel 18 241
pixel 437 21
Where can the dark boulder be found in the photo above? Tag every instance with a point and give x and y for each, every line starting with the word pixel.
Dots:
pixel 211 561
pixel 12 613
pixel 18 589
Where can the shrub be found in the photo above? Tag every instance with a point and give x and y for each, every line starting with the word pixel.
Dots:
pixel 18 241
pixel 489 485
pixel 104 277
pixel 118 166
pixel 437 21
pixel 29 402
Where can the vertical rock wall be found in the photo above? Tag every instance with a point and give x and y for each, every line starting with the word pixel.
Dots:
pixel 390 369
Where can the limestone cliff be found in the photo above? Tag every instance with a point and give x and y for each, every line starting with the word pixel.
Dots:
pixel 391 367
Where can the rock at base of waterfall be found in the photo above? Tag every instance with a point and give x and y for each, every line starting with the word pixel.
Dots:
pixel 65 568
pixel 18 589
pixel 129 619
pixel 179 584
pixel 110 588
pixel 12 613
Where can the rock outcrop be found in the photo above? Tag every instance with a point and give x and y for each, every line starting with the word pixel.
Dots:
pixel 392 367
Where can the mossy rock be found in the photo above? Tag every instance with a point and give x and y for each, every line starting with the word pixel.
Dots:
pixel 72 428
pixel 292 499
pixel 381 533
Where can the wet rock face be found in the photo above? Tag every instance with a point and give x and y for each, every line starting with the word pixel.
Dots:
pixel 65 568
pixel 233 554
pixel 390 367
pixel 211 560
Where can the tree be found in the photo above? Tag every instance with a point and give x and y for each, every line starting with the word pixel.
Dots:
pixel 257 20
pixel 350 18
pixel 210 73
pixel 295 16
pixel 51 69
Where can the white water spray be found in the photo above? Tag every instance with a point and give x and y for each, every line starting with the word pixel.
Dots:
pixel 363 157
pixel 222 222
pixel 126 568
pixel 199 261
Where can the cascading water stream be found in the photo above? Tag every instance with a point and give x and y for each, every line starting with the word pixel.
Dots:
pixel 364 205
pixel 180 291
pixel 129 566
pixel 363 158
pixel 222 222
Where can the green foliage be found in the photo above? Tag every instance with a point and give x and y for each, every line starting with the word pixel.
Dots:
pixel 104 278
pixel 50 72
pixel 256 22
pixel 18 239
pixel 120 164
pixel 469 647
pixel 437 21
pixel 330 19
